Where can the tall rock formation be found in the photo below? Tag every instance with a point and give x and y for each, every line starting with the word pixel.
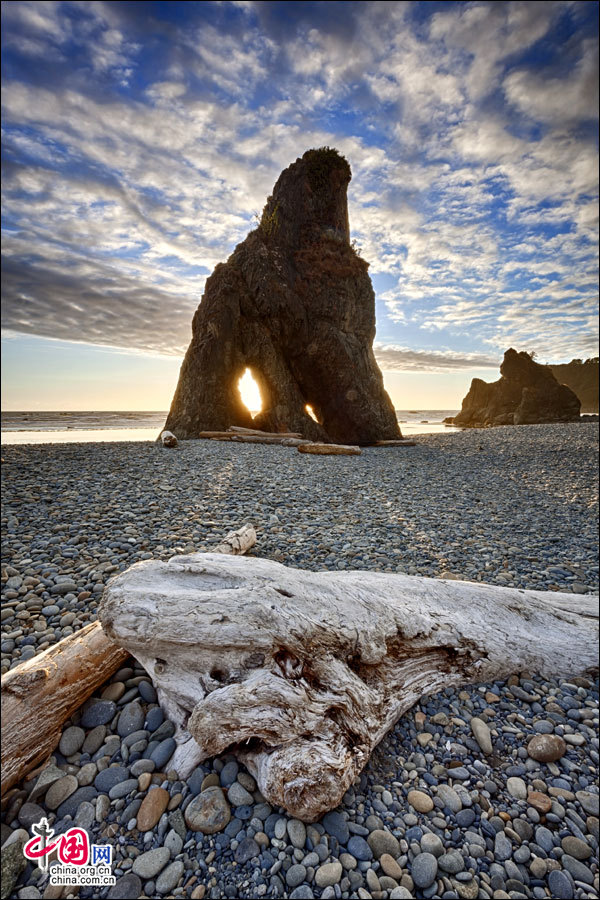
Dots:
pixel 526 394
pixel 294 303
pixel 582 378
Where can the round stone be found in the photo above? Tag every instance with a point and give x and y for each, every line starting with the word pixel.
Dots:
pixel 209 812
pixel 452 862
pixel 128 887
pixel 560 885
pixel 131 719
pixel 430 843
pixel 517 788
pixel 297 833
pixel 149 864
pixel 576 847
pixel 421 802
pixel 167 880
pixel 71 740
pixel 153 806
pixel 60 791
pixel 163 753
pixel 390 866
pixel 588 801
pixel 424 870
pixel 328 875
pixel 99 713
pixel 381 842
pixel 546 747
pixel 239 796
pixel 295 875
pixel 538 867
pixel 540 802
pixel 335 824
pixel 246 850
pixel 449 797
pixel 358 847
pixel 108 778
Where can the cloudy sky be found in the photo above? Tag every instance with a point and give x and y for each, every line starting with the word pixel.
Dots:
pixel 140 139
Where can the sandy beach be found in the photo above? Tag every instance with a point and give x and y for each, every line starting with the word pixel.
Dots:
pixel 509 506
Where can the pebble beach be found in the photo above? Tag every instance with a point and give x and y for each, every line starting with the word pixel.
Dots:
pixel 435 814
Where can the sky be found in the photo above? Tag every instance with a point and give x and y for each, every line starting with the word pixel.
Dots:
pixel 141 140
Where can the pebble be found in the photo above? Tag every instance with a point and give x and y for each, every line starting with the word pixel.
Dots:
pixel 149 864
pixel 169 878
pixel 420 801
pixel 127 887
pixel 546 747
pixel 382 842
pixel 153 806
pixel 239 796
pixel 60 791
pixel 209 812
pixel 329 874
pixel 424 870
pixel 71 740
pixel 434 749
pixel 482 734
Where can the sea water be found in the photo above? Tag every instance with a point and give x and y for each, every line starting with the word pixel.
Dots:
pixel 74 427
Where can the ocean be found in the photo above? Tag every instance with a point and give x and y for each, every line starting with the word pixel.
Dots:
pixel 74 427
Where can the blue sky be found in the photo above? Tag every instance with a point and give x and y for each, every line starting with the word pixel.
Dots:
pixel 141 139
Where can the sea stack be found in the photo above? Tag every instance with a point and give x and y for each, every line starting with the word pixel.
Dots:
pixel 295 304
pixel 526 394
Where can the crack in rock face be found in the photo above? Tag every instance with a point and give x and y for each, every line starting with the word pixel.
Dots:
pixel 295 305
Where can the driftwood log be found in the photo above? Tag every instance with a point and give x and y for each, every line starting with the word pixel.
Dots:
pixel 301 674
pixel 237 429
pixel 39 695
pixel 329 449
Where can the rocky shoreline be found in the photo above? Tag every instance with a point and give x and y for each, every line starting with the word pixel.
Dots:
pixel 434 814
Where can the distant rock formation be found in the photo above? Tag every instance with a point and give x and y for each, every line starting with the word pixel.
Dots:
pixel 526 394
pixel 294 303
pixel 582 378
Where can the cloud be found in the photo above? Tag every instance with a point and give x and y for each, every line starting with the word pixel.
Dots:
pixel 404 359
pixel 141 139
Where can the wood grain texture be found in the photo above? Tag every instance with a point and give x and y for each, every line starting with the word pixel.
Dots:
pixel 301 673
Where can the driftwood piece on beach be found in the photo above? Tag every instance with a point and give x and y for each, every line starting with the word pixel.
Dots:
pixel 255 439
pixel 256 431
pixel 329 449
pixel 168 439
pixel 39 695
pixel 302 673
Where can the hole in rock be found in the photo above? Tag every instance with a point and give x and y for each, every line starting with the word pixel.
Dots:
pixel 311 412
pixel 218 675
pixel 250 393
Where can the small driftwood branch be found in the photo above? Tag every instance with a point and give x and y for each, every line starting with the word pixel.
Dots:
pixel 329 449
pixel 41 693
pixel 301 673
pixel 394 443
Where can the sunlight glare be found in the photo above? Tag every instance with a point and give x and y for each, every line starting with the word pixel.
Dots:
pixel 310 411
pixel 250 393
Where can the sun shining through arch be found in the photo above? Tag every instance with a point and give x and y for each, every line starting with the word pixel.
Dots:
pixel 250 393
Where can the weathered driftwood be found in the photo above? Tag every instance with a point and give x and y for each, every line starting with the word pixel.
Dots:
pixel 168 439
pixel 329 449
pixel 301 673
pixel 41 694
pixel 256 431
pixel 236 437
pixel 254 439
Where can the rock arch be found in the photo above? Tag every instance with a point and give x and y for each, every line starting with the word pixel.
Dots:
pixel 294 302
